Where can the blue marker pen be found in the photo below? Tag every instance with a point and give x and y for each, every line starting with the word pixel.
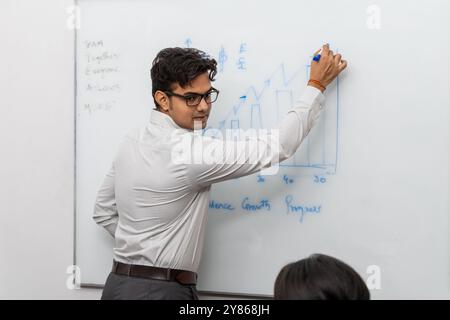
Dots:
pixel 317 56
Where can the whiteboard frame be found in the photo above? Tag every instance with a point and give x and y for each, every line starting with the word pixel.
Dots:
pixel 100 286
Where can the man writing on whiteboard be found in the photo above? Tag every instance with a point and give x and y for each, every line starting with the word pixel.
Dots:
pixel 154 205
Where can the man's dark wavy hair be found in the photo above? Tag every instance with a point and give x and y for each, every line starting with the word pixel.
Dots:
pixel 179 65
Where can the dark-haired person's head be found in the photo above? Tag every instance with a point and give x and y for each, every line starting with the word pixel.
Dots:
pixel 181 85
pixel 320 277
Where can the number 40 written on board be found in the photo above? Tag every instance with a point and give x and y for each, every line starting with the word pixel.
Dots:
pixel 319 179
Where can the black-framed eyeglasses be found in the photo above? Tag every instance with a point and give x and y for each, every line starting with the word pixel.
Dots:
pixel 194 99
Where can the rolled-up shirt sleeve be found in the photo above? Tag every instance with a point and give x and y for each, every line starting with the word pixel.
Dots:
pixel 105 210
pixel 224 159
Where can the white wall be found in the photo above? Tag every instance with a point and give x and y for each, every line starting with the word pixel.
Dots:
pixel 36 171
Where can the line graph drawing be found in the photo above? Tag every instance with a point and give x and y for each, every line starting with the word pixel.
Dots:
pixel 264 106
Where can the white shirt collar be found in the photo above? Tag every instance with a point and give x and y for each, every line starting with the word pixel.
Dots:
pixel 163 120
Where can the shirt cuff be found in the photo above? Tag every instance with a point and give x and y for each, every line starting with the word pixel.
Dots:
pixel 111 228
pixel 311 96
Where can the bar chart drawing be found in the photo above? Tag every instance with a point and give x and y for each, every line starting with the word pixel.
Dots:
pixel 264 107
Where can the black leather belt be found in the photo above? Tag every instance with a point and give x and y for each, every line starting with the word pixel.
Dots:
pixel 155 273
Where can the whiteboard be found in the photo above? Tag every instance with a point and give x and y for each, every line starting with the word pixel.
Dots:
pixel 370 185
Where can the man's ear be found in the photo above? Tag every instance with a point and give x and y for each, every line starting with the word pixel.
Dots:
pixel 162 99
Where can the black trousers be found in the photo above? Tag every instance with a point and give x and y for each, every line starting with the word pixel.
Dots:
pixel 122 287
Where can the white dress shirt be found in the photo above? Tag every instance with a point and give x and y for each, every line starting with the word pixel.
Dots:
pixel 156 208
